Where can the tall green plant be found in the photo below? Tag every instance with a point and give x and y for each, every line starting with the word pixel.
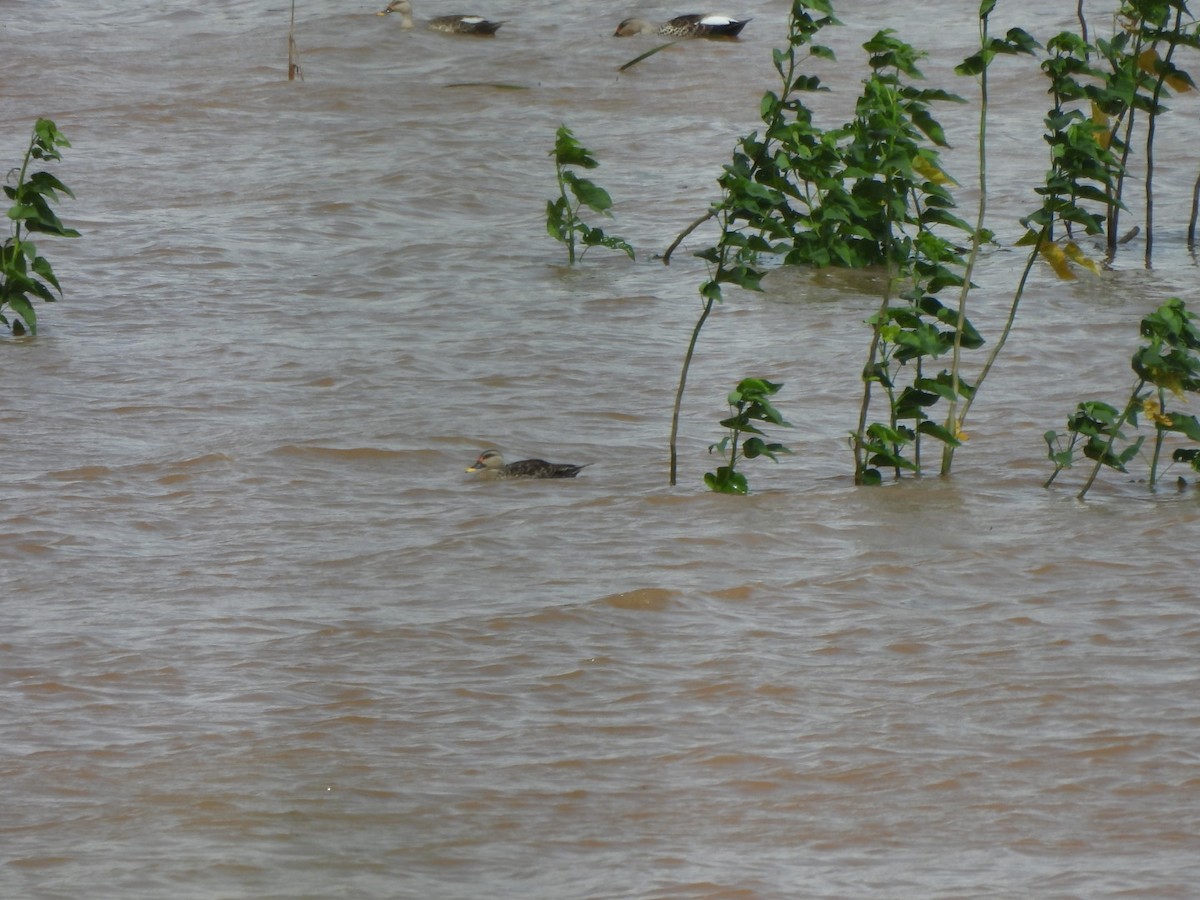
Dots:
pixel 893 153
pixel 24 274
pixel 1079 185
pixel 1016 41
pixel 754 214
pixel 563 222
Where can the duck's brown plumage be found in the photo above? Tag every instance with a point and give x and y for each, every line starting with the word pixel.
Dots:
pixel 491 464
pixel 690 26
pixel 458 24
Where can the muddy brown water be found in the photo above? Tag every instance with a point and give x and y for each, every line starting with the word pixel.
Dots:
pixel 265 638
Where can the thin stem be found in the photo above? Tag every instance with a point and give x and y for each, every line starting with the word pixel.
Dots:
pixel 683 373
pixel 20 184
pixel 711 214
pixel 868 377
pixel 1008 324
pixel 294 71
pixel 1191 232
pixel 952 424
pixel 1111 439
pixel 1150 127
pixel 1159 434
pixel 1114 206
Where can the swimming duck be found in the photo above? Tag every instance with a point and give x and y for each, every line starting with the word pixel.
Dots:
pixel 692 26
pixel 448 24
pixel 491 465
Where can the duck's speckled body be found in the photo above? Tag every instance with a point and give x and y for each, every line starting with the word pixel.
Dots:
pixel 446 24
pixel 692 26
pixel 491 465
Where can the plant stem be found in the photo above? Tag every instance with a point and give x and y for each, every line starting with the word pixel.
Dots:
pixel 1150 127
pixel 1159 434
pixel 872 352
pixel 952 423
pixel 1111 439
pixel 1191 232
pixel 683 373
pixel 293 52
pixel 666 257
pixel 1007 329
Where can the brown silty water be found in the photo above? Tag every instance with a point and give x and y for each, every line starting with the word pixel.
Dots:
pixel 265 637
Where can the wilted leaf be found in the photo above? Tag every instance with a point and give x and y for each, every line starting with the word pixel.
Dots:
pixel 1054 255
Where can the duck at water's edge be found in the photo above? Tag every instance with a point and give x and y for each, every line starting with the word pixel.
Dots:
pixel 448 24
pixel 693 26
pixel 491 465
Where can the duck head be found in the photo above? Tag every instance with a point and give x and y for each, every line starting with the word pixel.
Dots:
pixel 399 6
pixel 634 26
pixel 490 462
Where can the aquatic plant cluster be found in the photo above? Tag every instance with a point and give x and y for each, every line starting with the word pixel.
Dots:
pixel 873 192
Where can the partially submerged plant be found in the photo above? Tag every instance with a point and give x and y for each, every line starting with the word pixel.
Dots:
pixel 1166 363
pixel 893 150
pixel 749 403
pixel 754 214
pixel 562 215
pixel 24 275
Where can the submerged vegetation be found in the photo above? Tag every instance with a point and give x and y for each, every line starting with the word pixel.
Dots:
pixel 563 222
pixel 749 402
pixel 25 275
pixel 873 192
pixel 1167 363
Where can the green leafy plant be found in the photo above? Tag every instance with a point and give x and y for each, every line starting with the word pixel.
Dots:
pixel 1142 75
pixel 574 193
pixel 24 274
pixel 749 403
pixel 1167 363
pixel 873 193
pixel 1016 41
pixel 754 213
pixel 1080 183
pixel 893 153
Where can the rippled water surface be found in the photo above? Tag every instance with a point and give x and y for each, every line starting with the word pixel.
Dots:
pixel 263 636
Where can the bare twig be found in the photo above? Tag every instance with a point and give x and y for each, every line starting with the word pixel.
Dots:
pixel 666 257
pixel 294 70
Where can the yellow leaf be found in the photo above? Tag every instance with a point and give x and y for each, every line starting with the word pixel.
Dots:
pixel 1151 63
pixel 1077 256
pixel 930 172
pixel 1054 255
pixel 1102 130
pixel 1155 413
pixel 1148 61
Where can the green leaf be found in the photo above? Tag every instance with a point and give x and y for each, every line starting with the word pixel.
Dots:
pixel 726 481
pixel 637 59
pixel 591 195
pixel 569 152
pixel 1187 425
pixel 929 125
pixel 23 308
pixel 755 447
pixel 939 432
pixel 973 65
